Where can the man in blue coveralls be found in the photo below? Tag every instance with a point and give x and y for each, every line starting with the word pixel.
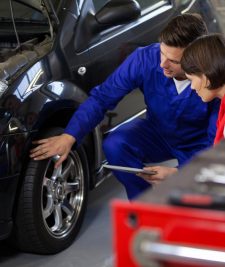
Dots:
pixel 177 125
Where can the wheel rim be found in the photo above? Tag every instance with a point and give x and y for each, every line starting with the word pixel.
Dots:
pixel 62 195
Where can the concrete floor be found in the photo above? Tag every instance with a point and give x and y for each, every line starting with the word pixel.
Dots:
pixel 93 246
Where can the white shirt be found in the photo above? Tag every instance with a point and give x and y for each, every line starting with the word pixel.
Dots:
pixel 181 85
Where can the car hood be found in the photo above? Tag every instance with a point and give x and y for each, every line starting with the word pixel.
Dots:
pixel 13 60
pixel 42 6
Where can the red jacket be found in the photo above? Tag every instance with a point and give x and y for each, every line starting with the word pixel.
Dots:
pixel 220 122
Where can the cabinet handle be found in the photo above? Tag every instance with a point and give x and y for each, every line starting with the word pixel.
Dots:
pixel 149 252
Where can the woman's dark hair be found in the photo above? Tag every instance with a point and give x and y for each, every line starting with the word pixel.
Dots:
pixel 183 29
pixel 206 55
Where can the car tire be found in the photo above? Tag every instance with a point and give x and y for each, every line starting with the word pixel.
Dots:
pixel 52 202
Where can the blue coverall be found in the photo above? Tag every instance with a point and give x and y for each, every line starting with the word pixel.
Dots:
pixel 176 125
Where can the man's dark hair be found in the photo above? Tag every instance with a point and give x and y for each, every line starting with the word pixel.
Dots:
pixel 206 55
pixel 182 30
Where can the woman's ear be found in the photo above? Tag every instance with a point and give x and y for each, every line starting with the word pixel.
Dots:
pixel 206 81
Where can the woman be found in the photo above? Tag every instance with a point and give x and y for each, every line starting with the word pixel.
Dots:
pixel 204 64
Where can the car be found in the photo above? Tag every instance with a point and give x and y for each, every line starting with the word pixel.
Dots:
pixel 52 52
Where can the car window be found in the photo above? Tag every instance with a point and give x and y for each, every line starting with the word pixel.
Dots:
pixel 99 3
pixel 144 4
pixel 148 3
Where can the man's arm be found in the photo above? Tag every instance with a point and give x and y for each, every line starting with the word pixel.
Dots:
pixel 105 97
pixel 91 112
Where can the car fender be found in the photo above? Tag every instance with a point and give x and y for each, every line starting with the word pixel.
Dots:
pixel 63 98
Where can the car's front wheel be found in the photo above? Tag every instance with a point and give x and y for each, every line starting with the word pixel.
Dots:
pixel 52 203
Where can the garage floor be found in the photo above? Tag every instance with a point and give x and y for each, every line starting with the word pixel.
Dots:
pixel 92 247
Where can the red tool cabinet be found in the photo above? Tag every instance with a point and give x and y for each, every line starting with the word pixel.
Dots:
pixel 146 234
pixel 154 231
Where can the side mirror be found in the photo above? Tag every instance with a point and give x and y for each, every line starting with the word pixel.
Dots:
pixel 113 13
pixel 118 12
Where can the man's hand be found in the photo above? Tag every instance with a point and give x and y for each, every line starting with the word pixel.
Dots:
pixel 162 173
pixel 56 145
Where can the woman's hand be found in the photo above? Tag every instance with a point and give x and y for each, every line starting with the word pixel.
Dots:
pixel 162 173
pixel 49 147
